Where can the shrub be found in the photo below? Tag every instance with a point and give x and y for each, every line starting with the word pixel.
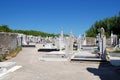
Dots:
pixel 14 52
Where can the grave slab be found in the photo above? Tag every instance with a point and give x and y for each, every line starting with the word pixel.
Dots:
pixel 7 67
pixel 84 56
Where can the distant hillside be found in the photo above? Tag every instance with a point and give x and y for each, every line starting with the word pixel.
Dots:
pixel 111 24
pixel 5 28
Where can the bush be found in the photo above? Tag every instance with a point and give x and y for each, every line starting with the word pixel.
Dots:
pixel 14 52
pixel 116 51
pixel 2 57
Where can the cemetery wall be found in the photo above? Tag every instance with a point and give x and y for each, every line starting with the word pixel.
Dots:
pixel 90 41
pixel 8 42
pixel 108 42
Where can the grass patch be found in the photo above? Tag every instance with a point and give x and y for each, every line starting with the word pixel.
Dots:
pixel 2 57
pixel 14 52
pixel 63 49
pixel 116 51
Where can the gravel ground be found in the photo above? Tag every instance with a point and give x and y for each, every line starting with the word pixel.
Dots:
pixel 34 69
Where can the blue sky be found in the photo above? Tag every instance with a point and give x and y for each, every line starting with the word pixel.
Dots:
pixel 52 16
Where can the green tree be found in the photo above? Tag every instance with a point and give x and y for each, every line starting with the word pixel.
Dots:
pixel 109 24
pixel 5 28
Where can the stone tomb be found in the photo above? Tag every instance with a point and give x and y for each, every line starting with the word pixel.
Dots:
pixel 88 54
pixel 65 46
pixel 115 58
pixel 26 41
pixel 48 47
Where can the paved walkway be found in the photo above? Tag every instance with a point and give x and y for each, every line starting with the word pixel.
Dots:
pixel 33 69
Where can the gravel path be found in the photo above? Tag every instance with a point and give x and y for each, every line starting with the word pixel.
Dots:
pixel 33 69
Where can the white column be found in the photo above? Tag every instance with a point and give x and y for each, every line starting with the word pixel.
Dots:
pixel 79 43
pixel 71 42
pixel 67 45
pixel 104 48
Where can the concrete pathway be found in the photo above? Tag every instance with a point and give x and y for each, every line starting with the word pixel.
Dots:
pixel 34 69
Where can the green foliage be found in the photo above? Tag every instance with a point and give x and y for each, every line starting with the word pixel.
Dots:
pixel 111 24
pixel 5 28
pixel 34 33
pixel 2 57
pixel 14 52
pixel 116 51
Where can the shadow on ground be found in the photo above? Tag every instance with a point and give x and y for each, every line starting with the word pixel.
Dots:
pixel 106 71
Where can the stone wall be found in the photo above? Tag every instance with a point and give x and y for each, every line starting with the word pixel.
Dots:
pixel 8 42
pixel 90 41
pixel 108 42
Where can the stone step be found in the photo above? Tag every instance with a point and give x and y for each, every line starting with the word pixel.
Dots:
pixel 84 57
pixel 53 59
pixel 54 56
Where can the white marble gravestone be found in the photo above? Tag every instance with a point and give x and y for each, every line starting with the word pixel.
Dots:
pixel 61 41
pixel 71 42
pixel 113 39
pixel 79 43
pixel 84 40
pixel 24 40
pixel 56 42
pixel 19 40
pixel 103 44
pixel 67 45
